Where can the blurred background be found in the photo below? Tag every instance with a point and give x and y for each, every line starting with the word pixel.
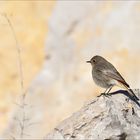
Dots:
pixel 56 39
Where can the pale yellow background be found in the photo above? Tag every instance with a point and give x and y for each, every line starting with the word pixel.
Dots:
pixel 29 19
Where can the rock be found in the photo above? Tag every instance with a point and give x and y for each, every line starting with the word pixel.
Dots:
pixel 104 118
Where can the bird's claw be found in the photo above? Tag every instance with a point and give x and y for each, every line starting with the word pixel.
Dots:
pixel 104 94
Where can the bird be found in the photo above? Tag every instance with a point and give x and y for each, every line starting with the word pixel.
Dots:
pixel 105 75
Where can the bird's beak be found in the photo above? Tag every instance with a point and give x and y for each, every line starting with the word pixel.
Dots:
pixel 88 61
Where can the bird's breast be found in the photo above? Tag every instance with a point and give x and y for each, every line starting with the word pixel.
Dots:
pixel 102 80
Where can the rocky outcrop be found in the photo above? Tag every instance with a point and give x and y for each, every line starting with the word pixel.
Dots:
pixel 105 118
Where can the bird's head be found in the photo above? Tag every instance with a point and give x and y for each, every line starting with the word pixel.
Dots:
pixel 95 60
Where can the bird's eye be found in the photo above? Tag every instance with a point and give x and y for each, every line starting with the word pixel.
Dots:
pixel 94 60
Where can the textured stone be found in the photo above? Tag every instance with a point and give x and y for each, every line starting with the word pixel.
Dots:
pixel 104 118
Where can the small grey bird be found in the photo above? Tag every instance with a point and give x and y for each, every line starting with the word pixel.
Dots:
pixel 105 75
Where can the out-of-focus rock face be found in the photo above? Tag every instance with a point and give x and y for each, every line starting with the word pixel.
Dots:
pixel 76 32
pixel 29 20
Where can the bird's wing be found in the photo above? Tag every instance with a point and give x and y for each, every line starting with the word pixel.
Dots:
pixel 116 76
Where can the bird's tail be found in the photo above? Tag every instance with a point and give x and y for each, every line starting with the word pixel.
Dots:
pixel 132 94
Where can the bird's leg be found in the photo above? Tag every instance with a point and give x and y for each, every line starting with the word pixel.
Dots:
pixel 109 91
pixel 103 93
pixel 106 92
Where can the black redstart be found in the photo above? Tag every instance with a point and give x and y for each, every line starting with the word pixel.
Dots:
pixel 105 75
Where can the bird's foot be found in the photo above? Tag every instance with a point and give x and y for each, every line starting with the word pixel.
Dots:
pixel 104 94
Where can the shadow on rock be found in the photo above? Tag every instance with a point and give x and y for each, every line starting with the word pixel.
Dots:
pixel 126 93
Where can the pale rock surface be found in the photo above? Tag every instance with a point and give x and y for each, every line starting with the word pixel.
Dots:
pixel 104 118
